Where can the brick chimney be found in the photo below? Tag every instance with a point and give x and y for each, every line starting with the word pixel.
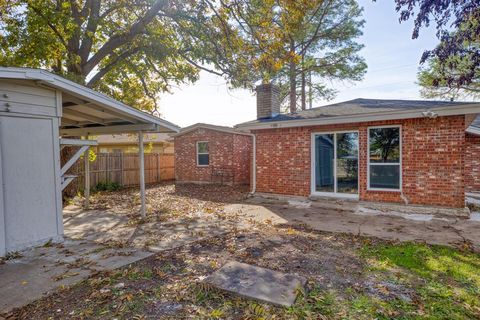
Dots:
pixel 268 100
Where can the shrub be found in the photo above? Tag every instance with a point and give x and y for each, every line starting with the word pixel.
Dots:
pixel 106 186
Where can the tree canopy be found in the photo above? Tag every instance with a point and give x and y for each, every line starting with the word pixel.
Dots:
pixel 286 40
pixel 452 69
pixel 131 50
pixel 135 49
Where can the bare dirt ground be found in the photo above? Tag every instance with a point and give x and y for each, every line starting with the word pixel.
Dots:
pixel 349 276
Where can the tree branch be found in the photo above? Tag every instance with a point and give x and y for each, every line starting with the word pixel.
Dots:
pixel 99 75
pixel 118 40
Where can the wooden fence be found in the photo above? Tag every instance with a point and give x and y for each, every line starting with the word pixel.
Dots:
pixel 123 168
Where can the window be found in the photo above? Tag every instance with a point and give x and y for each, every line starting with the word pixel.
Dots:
pixel 203 157
pixel 384 158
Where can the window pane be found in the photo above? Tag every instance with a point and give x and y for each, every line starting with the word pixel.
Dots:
pixel 202 147
pixel 347 162
pixel 385 176
pixel 203 159
pixel 324 147
pixel 385 145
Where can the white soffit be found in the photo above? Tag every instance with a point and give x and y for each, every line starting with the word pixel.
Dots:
pixel 85 111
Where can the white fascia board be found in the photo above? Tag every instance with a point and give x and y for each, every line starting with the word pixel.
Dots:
pixel 379 116
pixel 110 129
pixel 48 79
pixel 209 127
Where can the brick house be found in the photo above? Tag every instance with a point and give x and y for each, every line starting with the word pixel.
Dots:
pixel 395 151
pixel 408 152
pixel 212 154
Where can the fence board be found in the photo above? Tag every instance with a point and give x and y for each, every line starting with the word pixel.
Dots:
pixel 122 168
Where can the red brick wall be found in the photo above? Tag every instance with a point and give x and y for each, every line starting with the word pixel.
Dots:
pixel 432 161
pixel 242 158
pixel 472 163
pixel 226 150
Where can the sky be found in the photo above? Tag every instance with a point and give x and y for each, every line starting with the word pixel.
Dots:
pixel 391 54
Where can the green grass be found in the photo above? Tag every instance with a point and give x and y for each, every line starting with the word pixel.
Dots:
pixel 445 284
pixel 446 281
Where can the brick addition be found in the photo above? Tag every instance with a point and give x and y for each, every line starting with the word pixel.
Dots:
pixel 227 150
pixel 472 163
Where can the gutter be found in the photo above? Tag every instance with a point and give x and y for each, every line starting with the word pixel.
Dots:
pixel 473 108
pixel 254 163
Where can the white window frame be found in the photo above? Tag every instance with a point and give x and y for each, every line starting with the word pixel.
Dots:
pixel 399 164
pixel 333 194
pixel 198 153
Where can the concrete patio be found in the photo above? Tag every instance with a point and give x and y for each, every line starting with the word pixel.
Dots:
pixel 98 240
pixel 94 241
pixel 358 219
pixel 40 271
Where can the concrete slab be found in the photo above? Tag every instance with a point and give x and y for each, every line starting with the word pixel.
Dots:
pixel 257 283
pixel 350 217
pixel 40 271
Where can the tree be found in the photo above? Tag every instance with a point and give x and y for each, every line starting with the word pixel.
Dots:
pixel 285 40
pixel 453 67
pixel 129 49
pixel 324 41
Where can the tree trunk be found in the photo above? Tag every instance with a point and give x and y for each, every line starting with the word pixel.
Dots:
pixel 293 80
pixel 310 93
pixel 304 98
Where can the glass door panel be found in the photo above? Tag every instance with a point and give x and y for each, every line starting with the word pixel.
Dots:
pixel 324 160
pixel 336 163
pixel 347 162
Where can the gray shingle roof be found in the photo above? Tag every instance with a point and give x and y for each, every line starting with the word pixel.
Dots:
pixel 476 123
pixel 360 107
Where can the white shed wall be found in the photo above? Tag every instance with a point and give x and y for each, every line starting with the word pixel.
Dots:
pixel 29 166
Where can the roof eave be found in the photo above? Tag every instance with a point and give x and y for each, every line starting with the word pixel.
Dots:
pixel 48 79
pixel 378 116
pixel 209 127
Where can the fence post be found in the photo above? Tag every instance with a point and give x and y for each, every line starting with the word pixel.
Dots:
pixel 121 168
pixel 107 167
pixel 157 165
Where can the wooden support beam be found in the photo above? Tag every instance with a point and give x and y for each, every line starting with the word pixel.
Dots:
pixel 69 112
pixel 74 159
pixel 126 128
pixel 142 174
pixel 86 190
pixel 78 142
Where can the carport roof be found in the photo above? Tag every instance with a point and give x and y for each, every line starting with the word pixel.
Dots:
pixel 85 111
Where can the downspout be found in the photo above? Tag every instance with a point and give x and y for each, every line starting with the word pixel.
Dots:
pixel 254 164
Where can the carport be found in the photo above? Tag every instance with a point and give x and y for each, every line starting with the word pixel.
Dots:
pixel 39 114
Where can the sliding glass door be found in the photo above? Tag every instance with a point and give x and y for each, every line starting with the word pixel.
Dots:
pixel 335 163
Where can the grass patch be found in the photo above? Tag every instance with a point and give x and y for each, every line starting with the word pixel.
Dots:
pixel 446 281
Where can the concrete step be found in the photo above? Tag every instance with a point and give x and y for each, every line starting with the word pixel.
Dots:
pixel 473 195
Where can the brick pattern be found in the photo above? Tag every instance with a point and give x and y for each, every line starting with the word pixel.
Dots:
pixel 472 163
pixel 268 100
pixel 227 150
pixel 433 154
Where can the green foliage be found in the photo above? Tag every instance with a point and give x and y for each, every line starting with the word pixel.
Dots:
pixel 130 50
pixel 107 186
pixel 453 68
pixel 287 40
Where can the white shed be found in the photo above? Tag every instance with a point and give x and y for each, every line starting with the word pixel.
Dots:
pixel 38 110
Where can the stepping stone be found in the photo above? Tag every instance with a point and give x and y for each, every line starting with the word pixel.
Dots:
pixel 257 283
